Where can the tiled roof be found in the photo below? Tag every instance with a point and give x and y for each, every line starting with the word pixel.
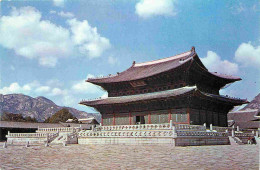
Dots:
pixel 9 124
pixel 225 76
pixel 245 118
pixel 158 95
pixel 140 97
pixel 147 69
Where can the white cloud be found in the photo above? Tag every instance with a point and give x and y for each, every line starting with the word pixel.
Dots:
pixel 88 39
pixel 69 96
pixel 66 14
pixel 248 55
pixel 149 8
pixel 30 37
pixel 57 92
pixel 112 60
pixel 42 89
pixel 15 88
pixel 214 63
pixel 12 68
pixel 59 3
pixel 53 12
pixel 238 8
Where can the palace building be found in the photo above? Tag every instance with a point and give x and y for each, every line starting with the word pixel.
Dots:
pixel 178 88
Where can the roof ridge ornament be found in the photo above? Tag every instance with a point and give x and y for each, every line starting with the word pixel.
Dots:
pixel 133 63
pixel 192 49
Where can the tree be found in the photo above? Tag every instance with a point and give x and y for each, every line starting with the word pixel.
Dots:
pixel 17 117
pixel 61 116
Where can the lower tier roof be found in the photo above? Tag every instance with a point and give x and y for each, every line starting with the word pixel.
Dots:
pixel 160 95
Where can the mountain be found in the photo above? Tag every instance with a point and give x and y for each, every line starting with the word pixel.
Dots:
pixel 254 104
pixel 39 107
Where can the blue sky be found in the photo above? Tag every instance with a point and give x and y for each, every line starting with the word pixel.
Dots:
pixel 48 48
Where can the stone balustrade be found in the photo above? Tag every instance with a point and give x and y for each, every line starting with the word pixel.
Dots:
pixel 120 134
pixel 221 129
pixel 58 129
pixel 27 135
pixel 200 133
pixel 190 127
pixel 165 126
pixel 244 135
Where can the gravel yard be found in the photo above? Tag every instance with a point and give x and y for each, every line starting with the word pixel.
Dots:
pixel 129 157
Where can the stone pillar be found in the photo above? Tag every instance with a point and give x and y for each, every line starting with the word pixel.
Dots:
pixel 257 133
pixel 210 127
pixel 174 132
pixel 46 144
pixel 226 130
pixel 92 127
pixel 64 143
pixel 27 144
pixel 205 124
pixel 170 124
pixel 233 133
pixel 8 132
pixel 253 132
pixel 5 145
pixel 238 128
pixel 100 124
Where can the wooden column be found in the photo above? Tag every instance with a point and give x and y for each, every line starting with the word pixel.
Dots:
pixel 102 120
pixel 149 118
pixel 114 119
pixel 188 115
pixel 169 115
pixel 130 118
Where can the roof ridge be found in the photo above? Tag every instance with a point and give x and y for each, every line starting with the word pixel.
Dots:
pixel 185 87
pixel 162 60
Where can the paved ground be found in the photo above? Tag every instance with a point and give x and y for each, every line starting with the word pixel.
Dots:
pixel 129 157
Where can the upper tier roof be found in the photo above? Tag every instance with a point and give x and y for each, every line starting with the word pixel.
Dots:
pixel 159 95
pixel 146 69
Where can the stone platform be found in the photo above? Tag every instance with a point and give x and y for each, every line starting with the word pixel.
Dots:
pixel 176 135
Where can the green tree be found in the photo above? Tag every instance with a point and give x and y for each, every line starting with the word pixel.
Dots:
pixel 61 116
pixel 17 117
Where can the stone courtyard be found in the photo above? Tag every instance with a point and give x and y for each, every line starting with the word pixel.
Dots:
pixel 129 157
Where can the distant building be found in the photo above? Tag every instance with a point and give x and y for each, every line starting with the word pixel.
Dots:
pixel 178 88
pixel 245 119
pixel 89 120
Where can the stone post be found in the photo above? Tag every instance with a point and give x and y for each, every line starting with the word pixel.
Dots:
pixel 8 133
pixel 5 145
pixel 238 128
pixel 27 144
pixel 170 124
pixel 253 132
pixel 174 131
pixel 100 124
pixel 233 133
pixel 210 127
pixel 92 127
pixel 46 144
pixel 205 124
pixel 226 130
pixel 257 133
pixel 64 143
